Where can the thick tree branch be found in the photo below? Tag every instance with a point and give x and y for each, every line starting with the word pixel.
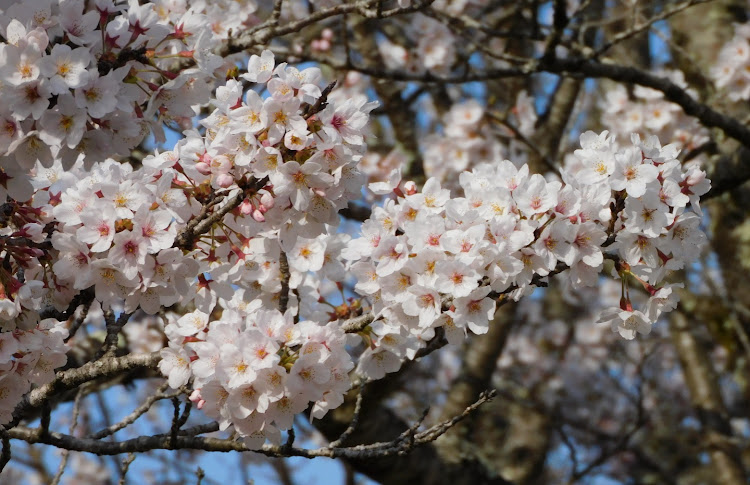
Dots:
pixel 69 379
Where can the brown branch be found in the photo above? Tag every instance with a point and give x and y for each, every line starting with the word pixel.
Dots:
pixel 264 32
pixel 355 419
pixel 187 440
pixel 579 67
pixel 137 412
pixel 202 224
pixel 72 378
pixel 672 92
pixel 285 275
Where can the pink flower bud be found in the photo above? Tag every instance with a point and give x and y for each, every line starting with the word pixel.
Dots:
pixel 267 200
pixel 224 180
pixel 410 188
pixel 196 398
pixel 246 207
pixel 695 177
pixel 203 168
pixel 324 45
pixel 327 34
pixel 258 216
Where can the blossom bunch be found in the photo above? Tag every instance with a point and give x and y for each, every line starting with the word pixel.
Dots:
pixel 29 357
pixel 430 48
pixel 124 235
pixel 114 232
pixel 467 140
pixel 301 153
pixel 647 113
pixel 654 232
pixel 255 369
pixel 429 261
pixel 86 80
pixel 730 72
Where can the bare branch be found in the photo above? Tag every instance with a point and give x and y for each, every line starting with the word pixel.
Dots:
pixel 355 419
pixel 637 29
pixel 138 412
pixel 187 439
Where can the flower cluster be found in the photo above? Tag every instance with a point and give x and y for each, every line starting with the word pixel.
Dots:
pixel 29 357
pixel 288 160
pixel 86 80
pixel 115 228
pixel 433 48
pixel 467 140
pixel 299 149
pixel 648 113
pixel 654 232
pixel 731 69
pixel 254 369
pixel 429 261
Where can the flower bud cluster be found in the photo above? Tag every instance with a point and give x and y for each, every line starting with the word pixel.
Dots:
pixel 427 260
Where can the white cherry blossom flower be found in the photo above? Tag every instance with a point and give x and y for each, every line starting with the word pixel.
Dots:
pixel 625 322
pixel 631 173
pixel 66 68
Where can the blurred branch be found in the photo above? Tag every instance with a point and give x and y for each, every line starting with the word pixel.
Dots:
pixel 645 25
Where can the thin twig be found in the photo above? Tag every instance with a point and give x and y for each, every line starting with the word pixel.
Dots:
pixel 126 466
pixel 354 421
pixel 637 29
pixel 137 412
pixel 73 426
